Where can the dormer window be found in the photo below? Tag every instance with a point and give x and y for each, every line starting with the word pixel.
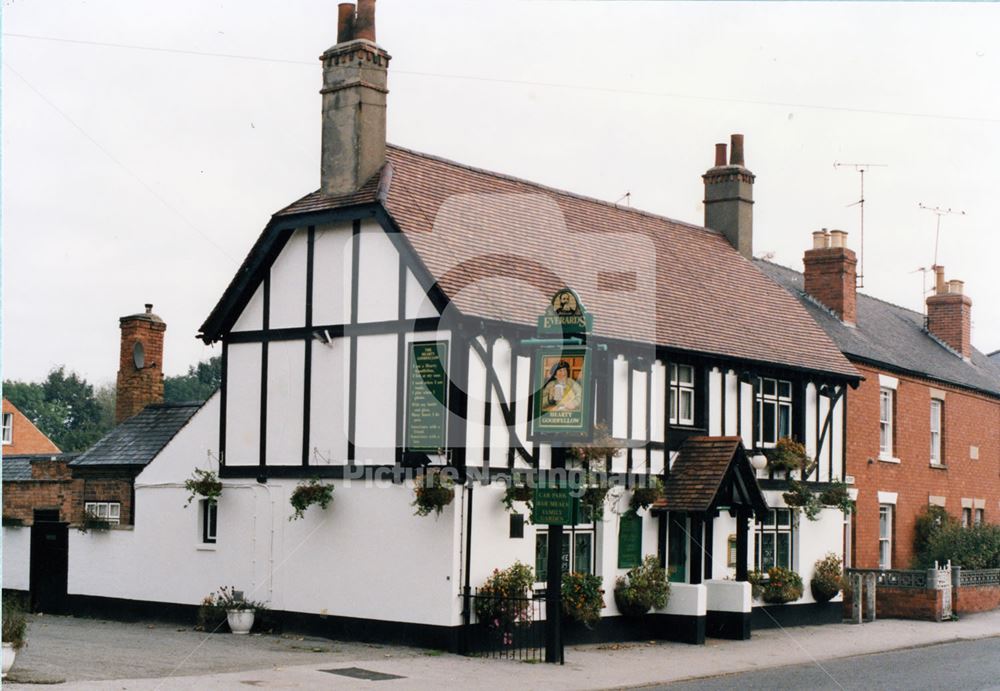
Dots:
pixel 681 394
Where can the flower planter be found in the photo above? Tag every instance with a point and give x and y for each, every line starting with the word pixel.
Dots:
pixel 8 658
pixel 240 620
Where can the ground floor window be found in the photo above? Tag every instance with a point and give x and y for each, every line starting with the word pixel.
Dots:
pixel 209 511
pixel 577 552
pixel 979 516
pixel 885 536
pixel 108 510
pixel 773 544
pixel 966 517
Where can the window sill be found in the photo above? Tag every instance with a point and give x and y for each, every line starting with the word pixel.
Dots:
pixel 888 459
pixel 939 466
pixel 205 547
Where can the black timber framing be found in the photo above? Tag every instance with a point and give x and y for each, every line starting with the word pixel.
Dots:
pixel 307 381
pixel 352 385
pixel 262 454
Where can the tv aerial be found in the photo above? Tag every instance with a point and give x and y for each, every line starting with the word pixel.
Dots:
pixel 861 168
pixel 939 212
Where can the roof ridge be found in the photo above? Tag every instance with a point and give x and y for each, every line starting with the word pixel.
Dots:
pixel 550 188
pixel 867 295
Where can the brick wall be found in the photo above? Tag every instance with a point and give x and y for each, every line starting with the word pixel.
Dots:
pixel 137 388
pixel 969 420
pixel 949 317
pixel 902 603
pixel 976 598
pixel 53 487
pixel 25 437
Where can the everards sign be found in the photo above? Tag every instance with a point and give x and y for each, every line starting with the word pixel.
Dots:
pixel 562 399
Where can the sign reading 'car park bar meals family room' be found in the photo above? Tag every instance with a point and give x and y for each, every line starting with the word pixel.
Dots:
pixel 427 396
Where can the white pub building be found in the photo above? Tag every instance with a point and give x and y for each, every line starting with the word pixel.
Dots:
pixel 385 323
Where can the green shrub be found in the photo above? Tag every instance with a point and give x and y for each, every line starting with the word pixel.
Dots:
pixel 828 578
pixel 757 579
pixel 504 600
pixel 212 612
pixel 933 519
pixel 642 588
pixel 203 483
pixel 515 492
pixel 782 585
pixel 976 547
pixel 15 622
pixel 788 455
pixel 582 597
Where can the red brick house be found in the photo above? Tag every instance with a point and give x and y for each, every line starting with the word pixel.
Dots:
pixel 20 436
pixel 924 425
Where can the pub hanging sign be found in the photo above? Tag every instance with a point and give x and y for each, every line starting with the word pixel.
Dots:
pixel 562 400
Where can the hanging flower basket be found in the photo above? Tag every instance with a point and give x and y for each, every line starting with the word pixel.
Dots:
pixel 92 522
pixel 521 493
pixel 593 499
pixel 781 586
pixel 308 493
pixel 644 497
pixel 203 483
pixel 582 598
pixel 643 588
pixel 788 455
pixel 433 492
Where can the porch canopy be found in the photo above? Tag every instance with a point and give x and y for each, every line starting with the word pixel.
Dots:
pixel 709 474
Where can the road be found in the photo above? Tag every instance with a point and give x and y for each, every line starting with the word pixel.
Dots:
pixel 963 665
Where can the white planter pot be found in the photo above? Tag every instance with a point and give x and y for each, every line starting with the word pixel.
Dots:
pixel 240 620
pixel 8 657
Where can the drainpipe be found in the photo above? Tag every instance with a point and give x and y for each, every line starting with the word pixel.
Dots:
pixel 467 589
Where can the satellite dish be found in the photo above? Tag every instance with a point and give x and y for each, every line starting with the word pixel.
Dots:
pixel 138 355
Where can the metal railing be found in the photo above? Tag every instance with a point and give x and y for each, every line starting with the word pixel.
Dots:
pixel 506 627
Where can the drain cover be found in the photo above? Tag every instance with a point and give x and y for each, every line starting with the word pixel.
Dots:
pixel 359 673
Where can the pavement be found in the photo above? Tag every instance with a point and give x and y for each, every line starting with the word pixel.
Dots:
pixel 165 657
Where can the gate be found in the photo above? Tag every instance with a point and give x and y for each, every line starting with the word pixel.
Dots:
pixel 506 627
pixel 49 567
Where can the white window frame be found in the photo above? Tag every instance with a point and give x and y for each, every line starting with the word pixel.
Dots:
pixel 937 430
pixel 782 522
pixel 885 535
pixel 207 531
pixel 779 402
pixel 679 390
pixel 966 516
pixel 886 401
pixel 978 517
pixel 8 428
pixel 110 511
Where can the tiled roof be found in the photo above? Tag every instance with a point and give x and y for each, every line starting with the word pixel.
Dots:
pixel 892 336
pixel 697 473
pixel 18 468
pixel 499 247
pixel 136 441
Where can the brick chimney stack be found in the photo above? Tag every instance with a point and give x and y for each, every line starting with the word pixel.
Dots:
pixel 355 78
pixel 831 274
pixel 729 197
pixel 140 363
pixel 949 314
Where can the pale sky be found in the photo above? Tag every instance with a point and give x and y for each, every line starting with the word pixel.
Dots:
pixel 146 144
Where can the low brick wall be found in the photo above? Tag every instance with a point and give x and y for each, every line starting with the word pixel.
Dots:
pixel 903 603
pixel 976 598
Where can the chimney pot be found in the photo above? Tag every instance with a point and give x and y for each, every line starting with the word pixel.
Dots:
pixel 939 284
pixel 149 308
pixel 364 24
pixel 736 150
pixel 955 287
pixel 345 22
pixel 720 155
pixel 819 239
pixel 838 238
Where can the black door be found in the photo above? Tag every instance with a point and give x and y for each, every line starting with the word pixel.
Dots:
pixel 49 563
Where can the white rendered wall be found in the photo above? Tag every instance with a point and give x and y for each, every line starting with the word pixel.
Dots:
pixel 732 384
pixel 686 600
pixel 331 368
pixel 728 596
pixel 288 283
pixel 715 384
pixel 332 274
pixel 836 472
pixel 252 318
pixel 499 436
pixel 285 399
pixel 16 551
pixel 375 402
pixel 475 429
pixel 330 562
pixel 378 275
pixel 746 413
pixel 418 305
pixel 243 371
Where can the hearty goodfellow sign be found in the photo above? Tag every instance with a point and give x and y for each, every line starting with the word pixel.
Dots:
pixel 427 396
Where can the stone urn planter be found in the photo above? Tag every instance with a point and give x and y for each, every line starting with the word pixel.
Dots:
pixel 240 620
pixel 8 658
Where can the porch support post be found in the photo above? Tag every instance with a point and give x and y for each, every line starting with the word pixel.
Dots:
pixel 709 544
pixel 742 542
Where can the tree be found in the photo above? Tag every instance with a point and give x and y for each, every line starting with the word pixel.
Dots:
pixel 200 382
pixel 64 407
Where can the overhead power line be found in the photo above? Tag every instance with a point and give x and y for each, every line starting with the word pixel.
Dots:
pixel 523 82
